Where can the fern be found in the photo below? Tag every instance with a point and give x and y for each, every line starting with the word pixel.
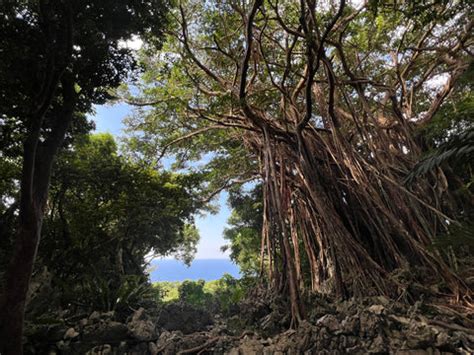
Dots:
pixel 458 150
pixel 459 237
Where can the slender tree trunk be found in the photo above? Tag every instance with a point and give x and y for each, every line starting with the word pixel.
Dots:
pixel 37 167
pixel 20 269
pixel 18 279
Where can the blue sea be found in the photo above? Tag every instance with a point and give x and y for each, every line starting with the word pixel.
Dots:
pixel 206 269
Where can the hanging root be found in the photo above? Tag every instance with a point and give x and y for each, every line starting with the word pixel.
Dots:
pixel 340 224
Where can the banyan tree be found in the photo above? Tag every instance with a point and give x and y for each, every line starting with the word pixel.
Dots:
pixel 326 97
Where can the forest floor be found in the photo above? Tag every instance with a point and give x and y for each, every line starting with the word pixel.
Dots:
pixel 422 320
pixel 371 325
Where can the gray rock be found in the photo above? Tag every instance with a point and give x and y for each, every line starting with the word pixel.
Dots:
pixel 378 346
pixel 108 315
pixel 183 317
pixel 370 324
pixel 251 346
pixel 376 309
pixel 101 350
pixel 420 338
pixel 442 339
pixel 40 297
pixel 329 321
pixel 141 327
pixel 56 332
pixel 153 348
pixel 71 334
pixel 350 325
pixel 107 332
pixel 94 317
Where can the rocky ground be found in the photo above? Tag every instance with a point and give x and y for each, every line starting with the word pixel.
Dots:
pixel 368 326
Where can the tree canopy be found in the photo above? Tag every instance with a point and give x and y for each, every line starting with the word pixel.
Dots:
pixel 57 59
pixel 342 130
pixel 106 213
pixel 245 226
pixel 325 104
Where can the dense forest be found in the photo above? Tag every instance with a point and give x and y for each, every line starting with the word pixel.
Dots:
pixel 342 132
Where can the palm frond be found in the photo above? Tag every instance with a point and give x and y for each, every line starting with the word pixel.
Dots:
pixel 458 150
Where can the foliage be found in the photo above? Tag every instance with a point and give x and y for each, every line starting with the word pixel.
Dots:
pixel 101 294
pixel 9 173
pixel 329 105
pixel 323 102
pixel 222 295
pixel 460 237
pixel 453 118
pixel 192 292
pixel 97 56
pixel 228 292
pixel 166 291
pixel 449 136
pixel 84 40
pixel 57 59
pixel 106 214
pixel 458 150
pixel 165 129
pixel 245 228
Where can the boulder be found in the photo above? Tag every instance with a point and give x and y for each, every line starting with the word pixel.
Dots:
pixel 183 317
pixel 329 321
pixel 107 332
pixel 141 327
pixel 350 325
pixel 370 324
pixel 94 317
pixel 153 348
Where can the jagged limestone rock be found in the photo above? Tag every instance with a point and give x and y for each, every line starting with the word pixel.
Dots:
pixel 141 327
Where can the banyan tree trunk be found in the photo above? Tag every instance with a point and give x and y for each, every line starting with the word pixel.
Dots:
pixel 350 217
pixel 334 145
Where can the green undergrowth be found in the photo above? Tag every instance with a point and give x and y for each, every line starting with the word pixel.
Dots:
pixel 221 295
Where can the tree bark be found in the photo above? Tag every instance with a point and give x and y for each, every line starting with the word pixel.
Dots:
pixel 18 279
pixel 36 172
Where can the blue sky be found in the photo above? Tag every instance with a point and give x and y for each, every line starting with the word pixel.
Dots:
pixel 108 118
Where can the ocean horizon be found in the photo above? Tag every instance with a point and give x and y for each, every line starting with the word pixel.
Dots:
pixel 205 269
